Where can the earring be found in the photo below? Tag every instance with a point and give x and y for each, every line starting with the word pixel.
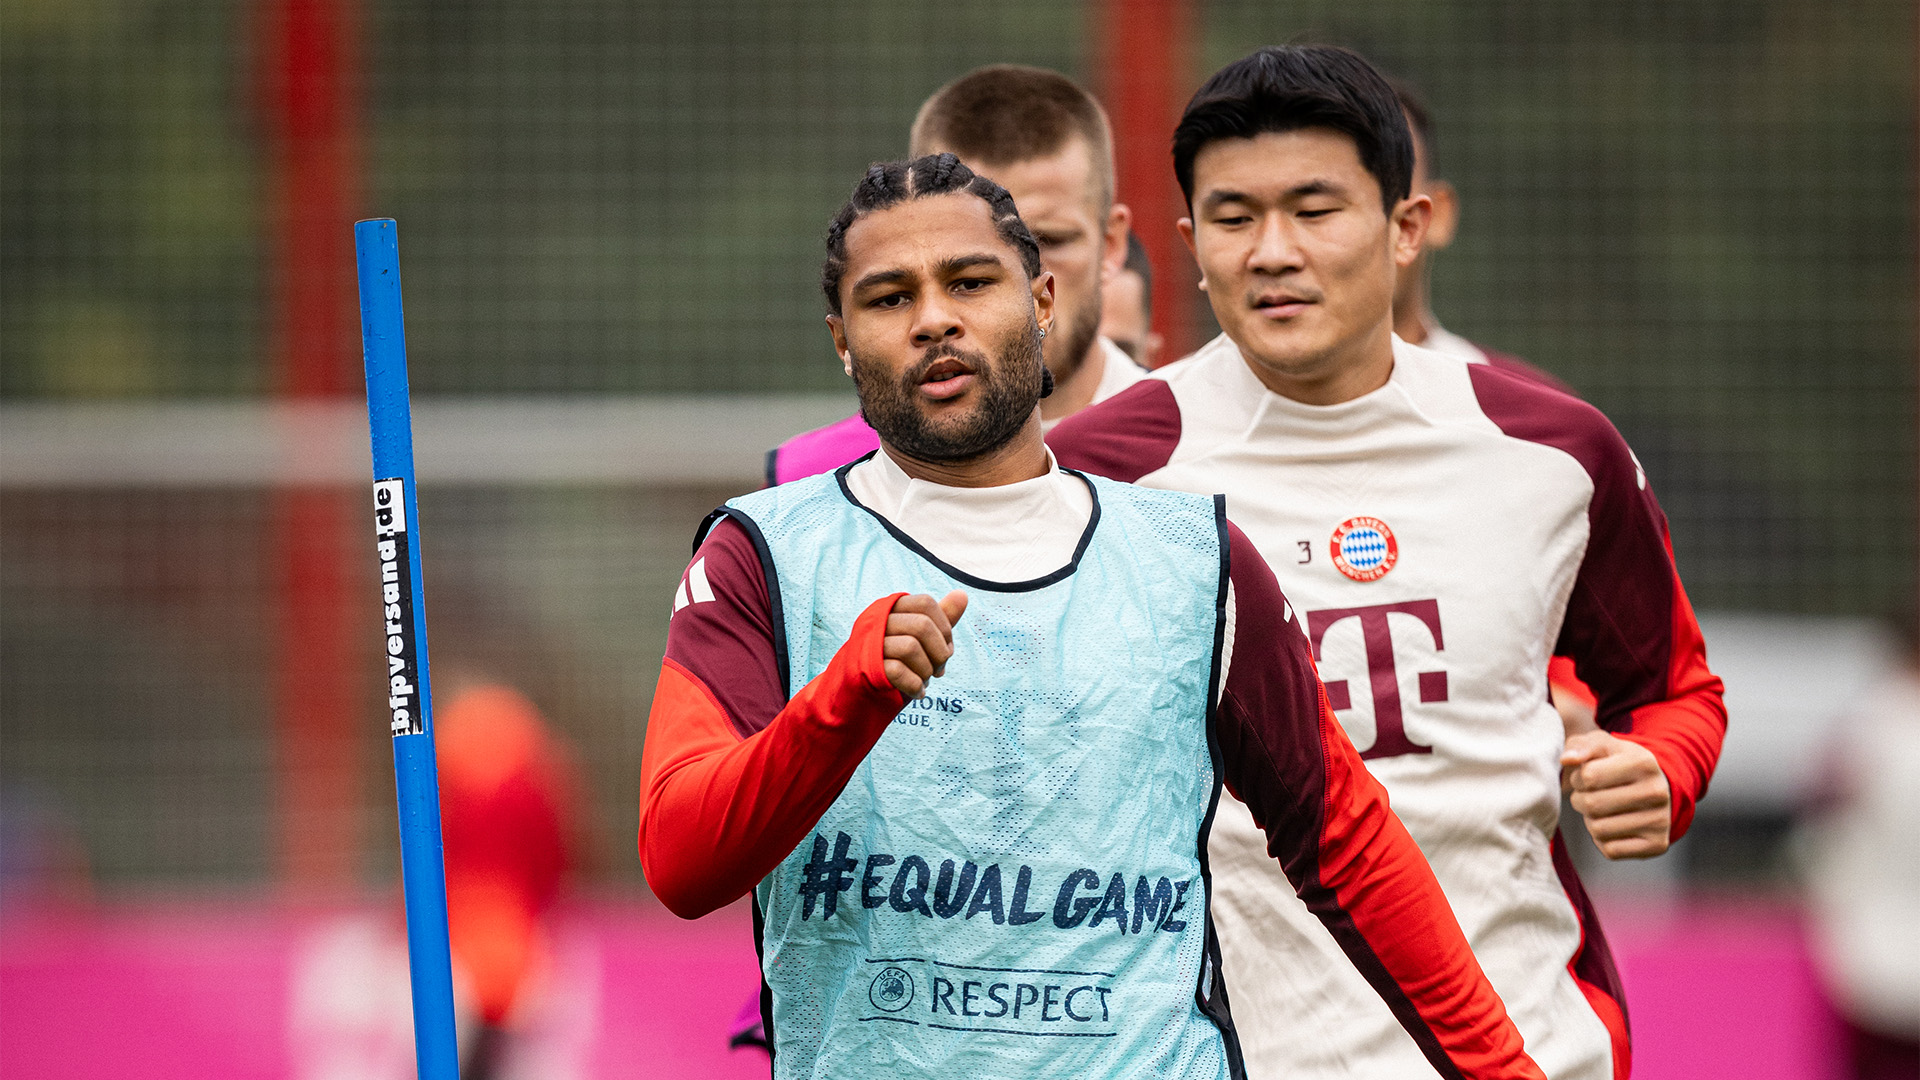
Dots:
pixel 1043 331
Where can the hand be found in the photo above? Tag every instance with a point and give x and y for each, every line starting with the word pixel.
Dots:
pixel 1619 789
pixel 920 640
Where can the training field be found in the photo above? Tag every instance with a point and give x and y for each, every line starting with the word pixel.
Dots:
pixel 1698 214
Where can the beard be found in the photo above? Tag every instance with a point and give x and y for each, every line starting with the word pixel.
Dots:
pixel 1005 391
pixel 1074 344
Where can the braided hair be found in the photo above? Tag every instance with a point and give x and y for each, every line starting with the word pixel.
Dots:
pixel 890 183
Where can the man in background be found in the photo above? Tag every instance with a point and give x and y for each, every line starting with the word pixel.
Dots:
pixel 1413 318
pixel 1126 307
pixel 1862 896
pixel 1414 322
pixel 1046 140
pixel 510 831
pixel 525 990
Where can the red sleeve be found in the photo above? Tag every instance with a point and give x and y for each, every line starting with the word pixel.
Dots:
pixel 1561 677
pixel 725 796
pixel 1351 860
pixel 1629 627
pixel 1125 437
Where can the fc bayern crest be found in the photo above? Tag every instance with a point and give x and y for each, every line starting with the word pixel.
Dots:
pixel 1364 548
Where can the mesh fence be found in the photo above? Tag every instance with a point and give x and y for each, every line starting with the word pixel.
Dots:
pixel 141 635
pixel 1701 214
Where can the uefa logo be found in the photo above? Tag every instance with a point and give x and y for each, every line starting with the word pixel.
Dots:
pixel 1364 548
pixel 892 990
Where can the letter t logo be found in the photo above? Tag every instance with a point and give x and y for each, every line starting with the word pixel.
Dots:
pixel 1390 733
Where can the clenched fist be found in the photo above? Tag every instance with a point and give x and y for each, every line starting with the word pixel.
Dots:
pixel 1617 786
pixel 920 640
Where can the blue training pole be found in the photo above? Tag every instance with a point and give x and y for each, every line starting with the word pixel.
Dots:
pixel 409 694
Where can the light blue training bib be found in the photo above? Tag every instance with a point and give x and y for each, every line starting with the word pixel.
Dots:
pixel 1013 884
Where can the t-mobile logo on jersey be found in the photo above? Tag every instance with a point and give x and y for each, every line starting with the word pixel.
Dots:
pixel 1376 631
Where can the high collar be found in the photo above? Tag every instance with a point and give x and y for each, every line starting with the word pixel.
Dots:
pixel 1010 533
pixel 885 487
pixel 1247 409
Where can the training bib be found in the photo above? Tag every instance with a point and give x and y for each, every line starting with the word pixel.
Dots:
pixel 1013 883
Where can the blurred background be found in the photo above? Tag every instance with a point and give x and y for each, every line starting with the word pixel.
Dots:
pixel 1700 213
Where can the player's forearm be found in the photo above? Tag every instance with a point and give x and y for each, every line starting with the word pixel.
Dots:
pixel 1354 865
pixel 1415 955
pixel 1634 640
pixel 1379 898
pixel 718 813
pixel 1685 736
pixel 1684 728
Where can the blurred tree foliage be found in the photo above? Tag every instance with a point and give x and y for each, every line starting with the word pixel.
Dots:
pixel 1700 212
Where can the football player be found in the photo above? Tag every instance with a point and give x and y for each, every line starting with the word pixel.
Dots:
pixel 975 827
pixel 1443 528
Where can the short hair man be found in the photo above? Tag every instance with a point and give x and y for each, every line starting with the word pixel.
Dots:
pixel 1126 307
pixel 1046 140
pixel 955 874
pixel 1444 527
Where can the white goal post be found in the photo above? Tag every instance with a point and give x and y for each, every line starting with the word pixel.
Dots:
pixel 648 441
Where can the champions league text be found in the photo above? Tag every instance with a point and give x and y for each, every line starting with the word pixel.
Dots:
pixel 910 885
pixel 396 597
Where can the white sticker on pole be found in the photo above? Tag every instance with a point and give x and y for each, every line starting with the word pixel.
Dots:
pixel 396 601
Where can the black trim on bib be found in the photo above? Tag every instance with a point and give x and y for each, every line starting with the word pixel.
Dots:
pixel 1211 992
pixel 908 542
pixel 768 571
pixel 766 988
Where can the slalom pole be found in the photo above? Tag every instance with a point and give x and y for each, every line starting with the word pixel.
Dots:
pixel 396 519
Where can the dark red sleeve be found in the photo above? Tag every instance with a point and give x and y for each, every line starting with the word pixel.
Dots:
pixel 1124 437
pixel 1629 627
pixel 722 631
pixel 728 785
pixel 1351 860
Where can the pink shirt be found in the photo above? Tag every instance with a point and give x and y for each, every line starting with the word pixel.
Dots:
pixel 821 450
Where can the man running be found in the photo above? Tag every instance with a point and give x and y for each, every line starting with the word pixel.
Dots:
pixel 1413 317
pixel 1443 527
pixel 975 827
pixel 1046 140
